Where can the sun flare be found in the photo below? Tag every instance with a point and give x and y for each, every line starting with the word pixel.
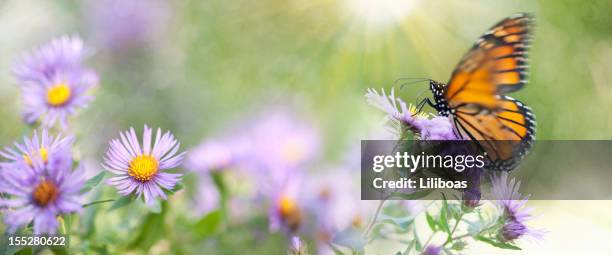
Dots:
pixel 380 13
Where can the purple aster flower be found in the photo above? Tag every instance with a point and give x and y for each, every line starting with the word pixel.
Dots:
pixel 405 117
pixel 512 230
pixel 213 155
pixel 286 212
pixel 40 193
pixel 512 205
pixel 46 147
pixel 122 25
pixel 216 155
pixel 54 81
pixel 281 141
pixel 335 203
pixel 139 169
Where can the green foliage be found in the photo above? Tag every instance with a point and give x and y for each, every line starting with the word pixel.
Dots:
pixel 431 222
pixel 208 225
pixel 351 239
pixel 496 243
pixel 93 182
pixel 121 202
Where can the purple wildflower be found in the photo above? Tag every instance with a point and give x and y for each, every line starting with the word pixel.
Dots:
pixel 436 128
pixel 216 155
pixel 512 205
pixel 213 155
pixel 333 202
pixel 406 117
pixel 54 81
pixel 46 147
pixel 139 169
pixel 286 212
pixel 40 193
pixel 280 141
pixel 334 205
pixel 122 25
pixel 512 230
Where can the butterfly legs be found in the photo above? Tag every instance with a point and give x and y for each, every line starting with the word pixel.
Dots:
pixel 422 104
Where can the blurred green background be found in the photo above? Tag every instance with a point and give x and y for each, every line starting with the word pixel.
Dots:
pixel 207 64
pixel 208 61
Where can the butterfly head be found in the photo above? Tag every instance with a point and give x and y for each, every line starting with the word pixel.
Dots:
pixel 437 89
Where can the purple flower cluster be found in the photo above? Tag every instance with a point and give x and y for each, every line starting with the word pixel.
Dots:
pixel 45 147
pixel 276 152
pixel 272 152
pixel 40 183
pixel 54 81
pixel 512 206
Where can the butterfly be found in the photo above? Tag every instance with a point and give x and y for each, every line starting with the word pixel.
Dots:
pixel 474 97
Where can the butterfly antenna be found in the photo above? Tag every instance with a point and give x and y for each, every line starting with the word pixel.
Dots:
pixel 407 81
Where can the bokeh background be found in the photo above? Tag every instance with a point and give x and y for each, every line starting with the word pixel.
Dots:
pixel 200 68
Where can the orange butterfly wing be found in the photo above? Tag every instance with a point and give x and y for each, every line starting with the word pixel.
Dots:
pixel 496 64
pixel 506 133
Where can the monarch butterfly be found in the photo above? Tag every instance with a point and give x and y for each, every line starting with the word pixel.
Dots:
pixel 502 126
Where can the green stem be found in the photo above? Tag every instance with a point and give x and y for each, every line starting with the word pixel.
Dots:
pixel 373 221
pixel 98 202
pixel 62 224
pixel 468 234
pixel 450 235
pixel 429 239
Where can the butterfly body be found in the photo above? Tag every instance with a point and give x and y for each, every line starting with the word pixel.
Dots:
pixel 474 98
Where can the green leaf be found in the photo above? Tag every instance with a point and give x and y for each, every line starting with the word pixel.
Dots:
pixel 459 245
pixel 417 243
pixel 412 196
pixel 209 224
pixel 25 251
pixel 121 202
pixel 351 239
pixel 443 223
pixel 445 207
pixel 92 182
pixel 152 229
pixel 10 250
pixel 497 244
pixel 60 251
pixel 430 221
pixel 68 222
pixel 336 250
pixel 403 223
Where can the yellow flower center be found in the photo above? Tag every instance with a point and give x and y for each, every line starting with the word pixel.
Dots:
pixel 357 222
pixel 58 94
pixel 143 168
pixel 42 152
pixel 46 192
pixel 415 112
pixel 290 213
